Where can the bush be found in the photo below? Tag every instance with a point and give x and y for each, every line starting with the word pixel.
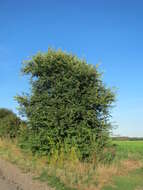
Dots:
pixel 9 124
pixel 68 105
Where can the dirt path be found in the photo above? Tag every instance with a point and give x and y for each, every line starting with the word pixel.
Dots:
pixel 11 178
pixel 4 185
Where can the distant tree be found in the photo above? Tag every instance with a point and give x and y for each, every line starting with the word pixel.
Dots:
pixel 68 104
pixel 9 123
pixel 5 112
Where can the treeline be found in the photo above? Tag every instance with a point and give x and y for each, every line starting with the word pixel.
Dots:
pixel 127 138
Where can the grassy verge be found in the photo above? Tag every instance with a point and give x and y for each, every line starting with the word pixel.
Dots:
pixel 132 181
pixel 71 174
pixel 127 150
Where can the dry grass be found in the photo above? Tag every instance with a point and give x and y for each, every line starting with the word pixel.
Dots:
pixel 71 172
pixel 129 165
pixel 105 173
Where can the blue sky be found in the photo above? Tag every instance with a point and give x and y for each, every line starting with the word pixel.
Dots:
pixel 107 32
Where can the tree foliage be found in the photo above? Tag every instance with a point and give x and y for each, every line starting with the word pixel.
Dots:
pixel 68 104
pixel 9 124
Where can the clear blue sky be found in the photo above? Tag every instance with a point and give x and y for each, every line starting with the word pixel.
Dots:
pixel 110 32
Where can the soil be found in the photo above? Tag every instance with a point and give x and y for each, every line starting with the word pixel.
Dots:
pixel 12 178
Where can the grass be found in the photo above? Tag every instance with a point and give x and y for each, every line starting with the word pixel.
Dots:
pixel 126 149
pixel 53 181
pixel 133 180
pixel 71 174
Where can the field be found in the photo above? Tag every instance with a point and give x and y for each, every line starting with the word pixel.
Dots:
pixel 125 172
pixel 133 180
pixel 126 149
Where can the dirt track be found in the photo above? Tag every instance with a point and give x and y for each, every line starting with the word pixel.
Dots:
pixel 4 185
pixel 11 178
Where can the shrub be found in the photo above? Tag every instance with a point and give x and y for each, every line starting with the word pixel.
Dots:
pixel 9 124
pixel 68 105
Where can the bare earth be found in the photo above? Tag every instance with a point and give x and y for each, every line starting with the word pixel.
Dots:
pixel 11 178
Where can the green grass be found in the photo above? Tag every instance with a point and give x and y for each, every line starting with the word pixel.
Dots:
pixel 133 181
pixel 126 149
pixel 53 181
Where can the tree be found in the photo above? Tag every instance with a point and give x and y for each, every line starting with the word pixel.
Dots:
pixel 9 124
pixel 68 105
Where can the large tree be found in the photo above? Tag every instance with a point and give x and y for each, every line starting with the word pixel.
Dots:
pixel 68 103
